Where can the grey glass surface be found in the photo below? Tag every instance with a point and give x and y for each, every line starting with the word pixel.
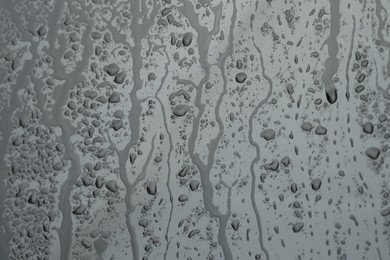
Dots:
pixel 194 129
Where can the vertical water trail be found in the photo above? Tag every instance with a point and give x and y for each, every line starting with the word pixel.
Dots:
pixel 213 145
pixel 165 119
pixel 379 253
pixel 332 63
pixel 350 56
pixel 60 95
pixel 138 32
pixel 203 40
pixel 56 119
pixel 256 145
pixel 382 23
pixel 385 92
pixel 122 158
pixel 222 226
pixel 142 175
pixel 66 228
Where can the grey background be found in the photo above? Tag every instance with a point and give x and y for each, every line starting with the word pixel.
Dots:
pixel 194 129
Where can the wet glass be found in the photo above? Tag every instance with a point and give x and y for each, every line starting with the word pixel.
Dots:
pixel 194 129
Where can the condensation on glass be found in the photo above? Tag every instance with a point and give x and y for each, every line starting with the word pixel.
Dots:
pixel 194 129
